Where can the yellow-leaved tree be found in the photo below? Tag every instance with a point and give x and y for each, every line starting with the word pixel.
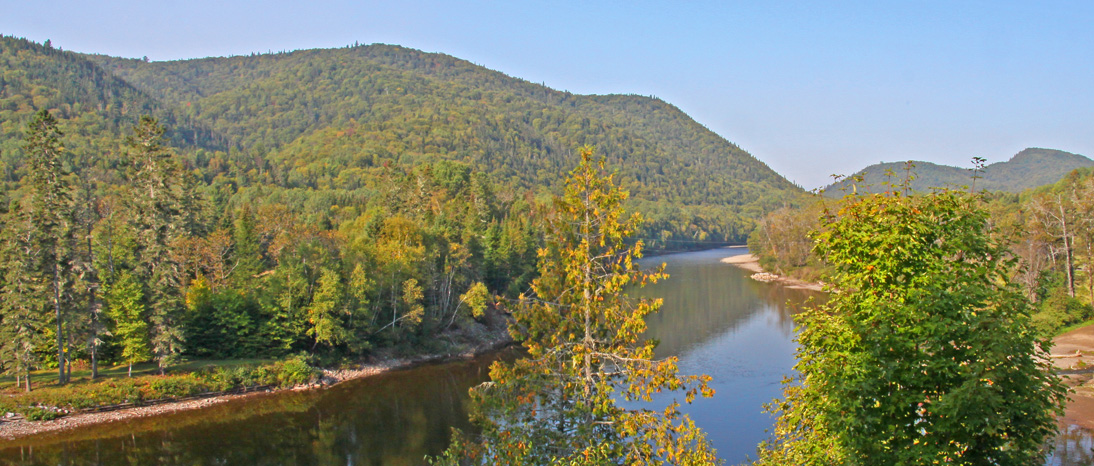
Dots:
pixel 562 403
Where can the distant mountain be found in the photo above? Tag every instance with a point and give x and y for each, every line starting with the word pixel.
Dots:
pixel 1029 168
pixel 330 119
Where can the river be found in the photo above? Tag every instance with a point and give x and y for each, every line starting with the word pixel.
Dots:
pixel 715 319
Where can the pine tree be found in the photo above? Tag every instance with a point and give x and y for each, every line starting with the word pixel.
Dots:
pixel 23 292
pixel 51 210
pixel 560 404
pixel 161 204
pixel 246 247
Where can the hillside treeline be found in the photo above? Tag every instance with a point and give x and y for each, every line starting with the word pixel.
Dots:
pixel 1050 230
pixel 137 256
pixel 330 201
pixel 314 118
pixel 318 119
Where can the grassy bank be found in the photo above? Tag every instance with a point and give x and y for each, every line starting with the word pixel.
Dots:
pixel 114 389
pixel 1073 327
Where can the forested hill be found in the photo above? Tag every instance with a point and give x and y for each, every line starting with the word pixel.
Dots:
pixel 333 202
pixel 325 119
pixel 95 105
pixel 1028 169
pixel 312 114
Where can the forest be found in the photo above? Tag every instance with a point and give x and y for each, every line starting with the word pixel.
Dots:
pixel 323 121
pixel 324 204
pixel 134 263
pixel 320 207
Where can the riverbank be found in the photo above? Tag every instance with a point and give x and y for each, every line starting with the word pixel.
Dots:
pixel 751 263
pixel 1073 355
pixel 487 341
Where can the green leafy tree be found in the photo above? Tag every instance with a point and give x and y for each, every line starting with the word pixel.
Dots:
pixel 475 298
pixel 560 405
pixel 125 307
pixel 925 354
pixel 327 310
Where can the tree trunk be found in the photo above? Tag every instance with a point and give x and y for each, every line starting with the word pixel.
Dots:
pixel 94 346
pixel 587 299
pixel 130 370
pixel 60 324
pixel 1069 250
pixel 1070 255
pixel 94 360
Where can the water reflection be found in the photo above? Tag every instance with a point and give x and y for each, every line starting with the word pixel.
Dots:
pixel 1073 447
pixel 393 419
pixel 738 331
pixel 715 319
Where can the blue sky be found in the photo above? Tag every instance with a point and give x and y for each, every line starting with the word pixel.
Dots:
pixel 810 88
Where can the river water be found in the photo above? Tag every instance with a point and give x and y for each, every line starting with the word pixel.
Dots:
pixel 715 319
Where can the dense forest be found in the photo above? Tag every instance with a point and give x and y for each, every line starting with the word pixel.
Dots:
pixel 328 202
pixel 320 118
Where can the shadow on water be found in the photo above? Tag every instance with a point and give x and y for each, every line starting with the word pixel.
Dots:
pixel 391 419
pixel 715 319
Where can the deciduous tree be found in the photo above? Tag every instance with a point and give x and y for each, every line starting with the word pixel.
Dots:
pixel 125 307
pixel 925 354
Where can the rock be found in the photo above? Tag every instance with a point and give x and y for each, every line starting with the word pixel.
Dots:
pixel 764 277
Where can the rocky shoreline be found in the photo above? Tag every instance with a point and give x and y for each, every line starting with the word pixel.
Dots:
pixel 752 264
pixel 14 429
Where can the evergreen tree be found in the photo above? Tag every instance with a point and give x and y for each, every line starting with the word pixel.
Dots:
pixel 161 204
pixel 247 248
pixel 560 404
pixel 23 292
pixel 51 210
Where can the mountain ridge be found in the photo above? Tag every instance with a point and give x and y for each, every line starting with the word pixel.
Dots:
pixel 1030 168
pixel 281 118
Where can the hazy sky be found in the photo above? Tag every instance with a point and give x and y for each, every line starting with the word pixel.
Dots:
pixel 810 88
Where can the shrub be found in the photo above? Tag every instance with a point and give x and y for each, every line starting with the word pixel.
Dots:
pixel 34 413
pixel 178 386
pixel 1058 311
pixel 51 402
pixel 292 371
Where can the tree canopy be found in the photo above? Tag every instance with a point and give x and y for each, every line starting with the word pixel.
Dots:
pixel 926 352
